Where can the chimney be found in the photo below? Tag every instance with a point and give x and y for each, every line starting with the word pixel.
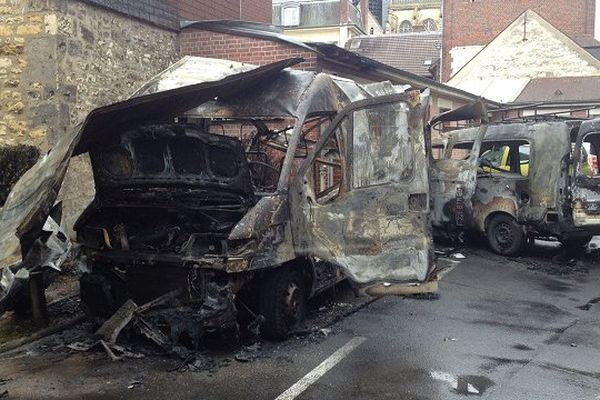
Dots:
pixel 344 11
pixel 364 12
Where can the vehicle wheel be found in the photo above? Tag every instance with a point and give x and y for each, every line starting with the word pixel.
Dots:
pixel 282 302
pixel 504 235
pixel 576 242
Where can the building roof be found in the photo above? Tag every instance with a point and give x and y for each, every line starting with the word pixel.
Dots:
pixel 412 52
pixel 561 89
pixel 588 42
pixel 585 40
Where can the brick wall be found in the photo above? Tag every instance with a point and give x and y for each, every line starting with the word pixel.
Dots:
pixel 477 22
pixel 256 10
pixel 158 12
pixel 203 10
pixel 195 42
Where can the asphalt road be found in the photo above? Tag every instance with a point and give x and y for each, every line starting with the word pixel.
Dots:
pixel 501 329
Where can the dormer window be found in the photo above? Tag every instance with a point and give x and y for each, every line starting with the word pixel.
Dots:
pixel 406 26
pixel 429 25
pixel 290 15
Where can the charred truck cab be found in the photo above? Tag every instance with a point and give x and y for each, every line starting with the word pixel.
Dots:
pixel 535 179
pixel 253 193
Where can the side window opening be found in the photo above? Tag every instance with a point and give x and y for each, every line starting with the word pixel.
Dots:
pixel 589 155
pixel 524 151
pixel 437 151
pixel 510 156
pixel 460 151
pixel 495 157
pixel 327 171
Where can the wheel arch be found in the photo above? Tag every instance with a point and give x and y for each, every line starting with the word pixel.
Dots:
pixel 306 268
pixel 493 214
pixel 484 212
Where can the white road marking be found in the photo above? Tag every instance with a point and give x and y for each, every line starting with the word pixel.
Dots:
pixel 299 387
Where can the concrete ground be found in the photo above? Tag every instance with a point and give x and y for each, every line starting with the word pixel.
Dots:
pixel 522 328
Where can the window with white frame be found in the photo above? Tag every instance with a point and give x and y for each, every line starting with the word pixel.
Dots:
pixel 290 15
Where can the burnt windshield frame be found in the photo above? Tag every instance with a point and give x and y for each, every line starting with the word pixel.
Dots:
pixel 272 135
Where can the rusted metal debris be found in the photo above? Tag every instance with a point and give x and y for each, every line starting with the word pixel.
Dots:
pixel 47 251
pixel 112 327
pixel 132 314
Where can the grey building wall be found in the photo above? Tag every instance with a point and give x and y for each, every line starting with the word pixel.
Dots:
pixel 158 12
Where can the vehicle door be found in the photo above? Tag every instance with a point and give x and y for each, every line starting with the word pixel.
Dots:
pixel 360 200
pixel 585 188
pixel 453 181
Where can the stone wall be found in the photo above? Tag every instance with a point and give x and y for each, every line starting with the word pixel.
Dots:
pixel 27 74
pixel 59 59
pixel 103 57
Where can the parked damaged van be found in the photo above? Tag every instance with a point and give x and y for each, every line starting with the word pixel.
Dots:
pixel 235 188
pixel 536 179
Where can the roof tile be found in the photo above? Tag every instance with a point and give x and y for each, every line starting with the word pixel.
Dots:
pixel 561 89
pixel 412 52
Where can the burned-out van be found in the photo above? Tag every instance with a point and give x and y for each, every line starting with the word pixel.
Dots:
pixel 228 187
pixel 535 179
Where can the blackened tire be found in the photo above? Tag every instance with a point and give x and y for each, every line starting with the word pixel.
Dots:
pixel 576 243
pixel 282 302
pixel 505 236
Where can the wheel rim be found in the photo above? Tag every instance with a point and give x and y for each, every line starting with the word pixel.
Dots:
pixel 503 233
pixel 293 303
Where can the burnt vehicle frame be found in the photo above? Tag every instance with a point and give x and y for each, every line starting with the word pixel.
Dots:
pixel 538 189
pixel 277 243
pixel 453 181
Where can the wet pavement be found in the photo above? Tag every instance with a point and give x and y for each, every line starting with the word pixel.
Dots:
pixel 521 328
